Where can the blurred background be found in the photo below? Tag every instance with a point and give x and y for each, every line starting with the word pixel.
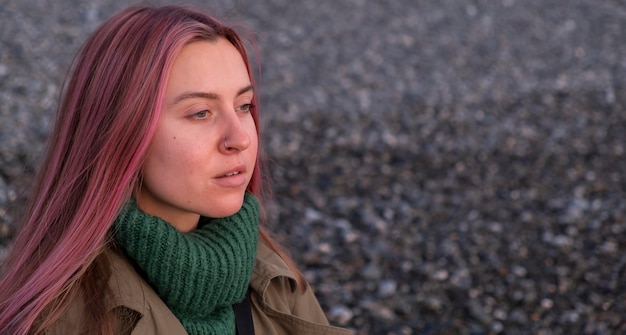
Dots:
pixel 439 167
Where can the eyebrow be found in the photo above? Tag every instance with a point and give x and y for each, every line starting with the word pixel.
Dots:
pixel 208 95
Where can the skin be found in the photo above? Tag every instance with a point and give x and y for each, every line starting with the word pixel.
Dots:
pixel 205 132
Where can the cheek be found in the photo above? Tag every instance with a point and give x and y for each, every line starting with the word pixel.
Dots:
pixel 170 157
pixel 254 141
pixel 250 127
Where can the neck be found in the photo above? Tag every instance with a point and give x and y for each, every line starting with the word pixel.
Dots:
pixel 184 221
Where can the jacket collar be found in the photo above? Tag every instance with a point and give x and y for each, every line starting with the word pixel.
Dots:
pixel 130 291
pixel 267 266
pixel 127 287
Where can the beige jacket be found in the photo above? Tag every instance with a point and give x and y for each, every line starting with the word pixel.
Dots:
pixel 278 307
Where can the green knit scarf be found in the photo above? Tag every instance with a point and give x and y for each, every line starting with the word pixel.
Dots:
pixel 199 275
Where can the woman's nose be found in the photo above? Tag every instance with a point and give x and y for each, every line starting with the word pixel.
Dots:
pixel 235 138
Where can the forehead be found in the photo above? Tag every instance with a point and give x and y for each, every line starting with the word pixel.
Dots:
pixel 208 66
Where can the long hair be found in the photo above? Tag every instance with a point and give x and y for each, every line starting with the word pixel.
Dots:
pixel 105 122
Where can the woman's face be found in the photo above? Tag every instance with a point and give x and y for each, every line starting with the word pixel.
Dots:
pixel 203 153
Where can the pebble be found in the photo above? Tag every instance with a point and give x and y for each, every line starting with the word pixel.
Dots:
pixel 387 288
pixel 341 314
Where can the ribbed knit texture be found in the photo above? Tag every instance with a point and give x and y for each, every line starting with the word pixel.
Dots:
pixel 200 274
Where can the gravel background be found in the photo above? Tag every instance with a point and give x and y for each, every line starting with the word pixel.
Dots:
pixel 440 167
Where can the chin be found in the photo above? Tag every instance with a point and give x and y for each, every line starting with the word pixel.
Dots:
pixel 228 206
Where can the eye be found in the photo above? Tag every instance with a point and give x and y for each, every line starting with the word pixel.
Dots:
pixel 201 115
pixel 246 107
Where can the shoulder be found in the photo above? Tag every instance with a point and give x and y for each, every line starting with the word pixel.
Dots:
pixel 130 292
pixel 268 266
pixel 131 303
pixel 278 305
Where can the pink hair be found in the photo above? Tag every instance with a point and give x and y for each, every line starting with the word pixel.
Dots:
pixel 105 123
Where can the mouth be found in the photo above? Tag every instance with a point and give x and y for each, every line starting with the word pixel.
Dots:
pixel 234 173
pixel 232 178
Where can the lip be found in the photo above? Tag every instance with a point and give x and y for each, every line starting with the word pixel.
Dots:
pixel 233 177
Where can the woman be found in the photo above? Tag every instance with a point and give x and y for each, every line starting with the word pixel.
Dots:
pixel 144 217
